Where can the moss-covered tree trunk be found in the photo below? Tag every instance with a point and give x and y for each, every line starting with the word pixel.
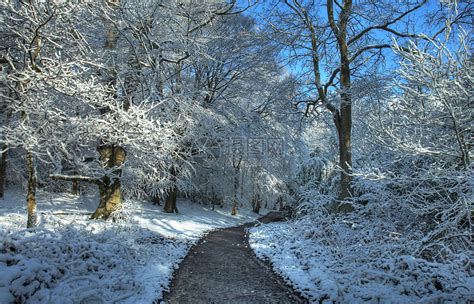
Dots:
pixel 112 157
pixel 31 193
pixel 110 199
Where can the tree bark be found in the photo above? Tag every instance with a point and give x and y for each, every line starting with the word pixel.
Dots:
pixel 112 156
pixel 170 202
pixel 236 189
pixel 31 194
pixel 110 199
pixel 3 171
pixel 343 124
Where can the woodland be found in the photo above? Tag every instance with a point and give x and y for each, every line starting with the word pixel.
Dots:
pixel 129 129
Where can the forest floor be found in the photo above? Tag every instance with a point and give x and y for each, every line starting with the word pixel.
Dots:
pixel 222 268
pixel 71 259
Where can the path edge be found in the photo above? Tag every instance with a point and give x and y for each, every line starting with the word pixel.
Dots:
pixel 265 263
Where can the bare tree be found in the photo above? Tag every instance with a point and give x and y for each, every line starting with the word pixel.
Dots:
pixel 314 32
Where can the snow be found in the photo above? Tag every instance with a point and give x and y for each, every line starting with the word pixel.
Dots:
pixel 337 259
pixel 69 259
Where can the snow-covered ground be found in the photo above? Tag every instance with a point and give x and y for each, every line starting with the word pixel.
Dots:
pixel 330 260
pixel 70 259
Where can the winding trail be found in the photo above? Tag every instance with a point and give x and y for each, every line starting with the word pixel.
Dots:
pixel 222 268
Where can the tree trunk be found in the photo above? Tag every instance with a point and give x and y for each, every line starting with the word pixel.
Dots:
pixel 31 194
pixel 170 203
pixel 345 123
pixel 279 203
pixel 3 171
pixel 343 126
pixel 213 199
pixel 110 199
pixel 111 156
pixel 236 189
pixel 343 116
pixel 257 203
pixel 75 187
pixel 156 200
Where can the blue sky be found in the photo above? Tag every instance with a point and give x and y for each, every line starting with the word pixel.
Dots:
pixel 416 24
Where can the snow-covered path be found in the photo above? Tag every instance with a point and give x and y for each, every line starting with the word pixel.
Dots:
pixel 222 268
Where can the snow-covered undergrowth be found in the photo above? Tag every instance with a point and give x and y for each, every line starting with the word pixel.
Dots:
pixel 70 259
pixel 364 256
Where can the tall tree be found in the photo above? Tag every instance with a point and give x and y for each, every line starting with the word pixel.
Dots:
pixel 314 32
pixel 32 50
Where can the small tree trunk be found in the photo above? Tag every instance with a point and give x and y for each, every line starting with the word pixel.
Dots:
pixel 170 202
pixel 110 188
pixel 280 203
pixel 75 187
pixel 236 189
pixel 257 203
pixel 156 200
pixel 3 171
pixel 31 194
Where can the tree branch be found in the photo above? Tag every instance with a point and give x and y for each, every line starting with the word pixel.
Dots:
pixel 372 47
pixel 332 23
pixel 76 178
pixel 225 12
pixel 386 24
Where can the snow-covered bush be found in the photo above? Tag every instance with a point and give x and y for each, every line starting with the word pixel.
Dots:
pixel 368 255
pixel 317 174
pixel 81 262
pixel 427 131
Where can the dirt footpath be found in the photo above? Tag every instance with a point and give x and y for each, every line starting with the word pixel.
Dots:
pixel 222 268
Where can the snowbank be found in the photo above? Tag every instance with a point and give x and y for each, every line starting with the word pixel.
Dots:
pixel 350 260
pixel 69 259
